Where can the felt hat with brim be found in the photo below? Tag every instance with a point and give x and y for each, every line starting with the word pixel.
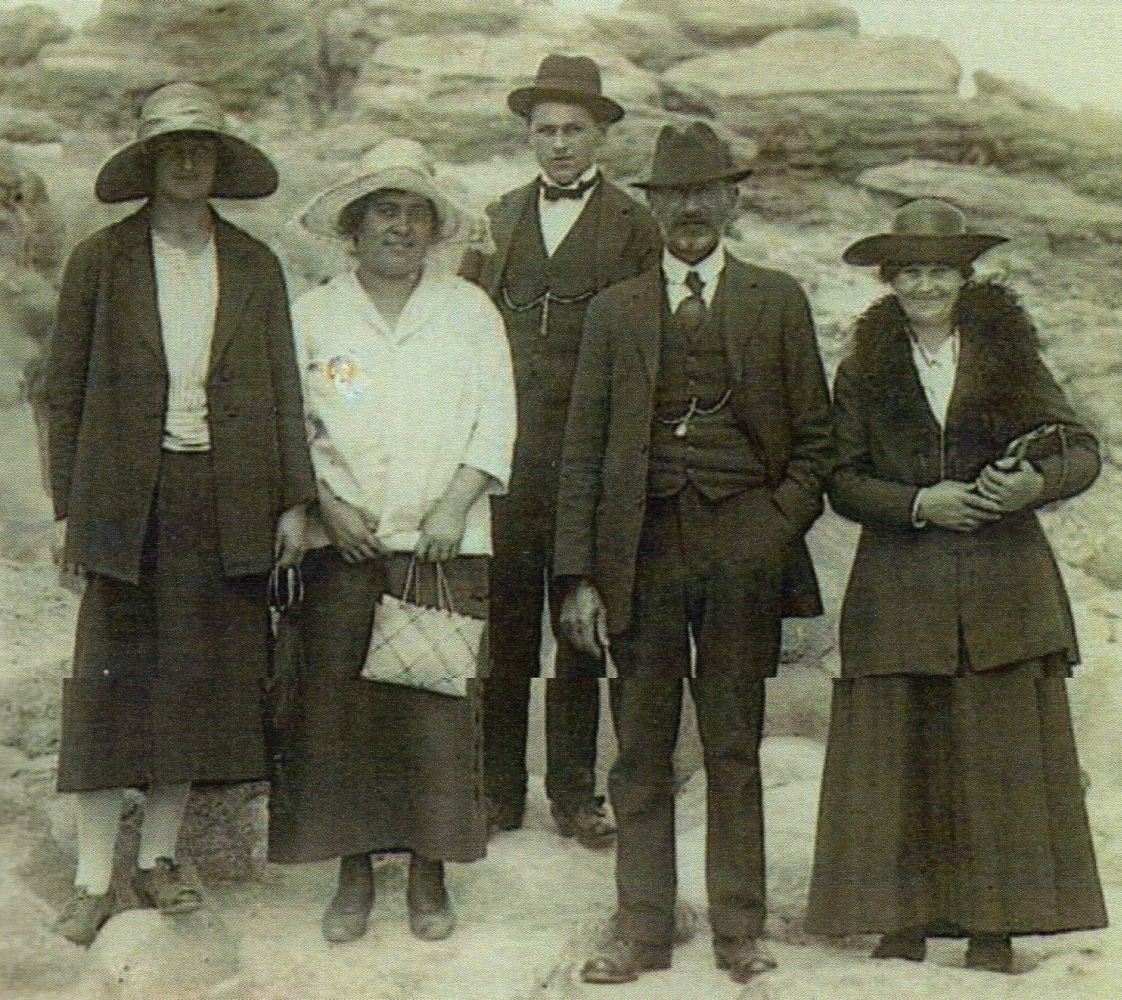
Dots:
pixel 569 80
pixel 392 165
pixel 242 170
pixel 691 157
pixel 924 231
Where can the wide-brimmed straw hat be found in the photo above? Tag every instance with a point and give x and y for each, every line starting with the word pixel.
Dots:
pixel 570 80
pixel 924 231
pixel 242 170
pixel 690 157
pixel 394 165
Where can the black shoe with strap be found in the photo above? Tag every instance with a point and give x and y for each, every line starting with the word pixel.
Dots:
pixel 170 887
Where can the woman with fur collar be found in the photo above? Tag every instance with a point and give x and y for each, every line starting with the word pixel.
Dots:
pixel 952 803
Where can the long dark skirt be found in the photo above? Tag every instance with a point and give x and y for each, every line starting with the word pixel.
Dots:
pixel 167 674
pixel 376 767
pixel 954 804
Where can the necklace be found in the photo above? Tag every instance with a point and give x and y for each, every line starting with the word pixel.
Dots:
pixel 932 359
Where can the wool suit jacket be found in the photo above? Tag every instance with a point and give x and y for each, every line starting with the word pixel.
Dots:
pixel 779 397
pixel 627 238
pixel 920 597
pixel 108 385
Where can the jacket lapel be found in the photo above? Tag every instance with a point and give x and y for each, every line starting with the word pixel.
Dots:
pixel 503 222
pixel 644 324
pixel 138 272
pixel 613 230
pixel 234 287
pixel 741 304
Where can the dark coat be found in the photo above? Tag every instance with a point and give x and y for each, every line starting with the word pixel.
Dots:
pixel 627 243
pixel 108 396
pixel 779 397
pixel 913 592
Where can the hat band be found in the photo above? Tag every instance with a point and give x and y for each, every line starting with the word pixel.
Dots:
pixel 187 122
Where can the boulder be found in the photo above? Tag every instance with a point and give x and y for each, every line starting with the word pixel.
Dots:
pixel 1021 203
pixel 744 22
pixel 139 955
pixel 25 30
pixel 97 65
pixel 819 62
pixel 26 125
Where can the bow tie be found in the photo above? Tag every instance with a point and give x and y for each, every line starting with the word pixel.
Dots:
pixel 554 193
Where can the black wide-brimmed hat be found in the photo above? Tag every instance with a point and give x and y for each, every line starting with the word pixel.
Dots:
pixel 924 231
pixel 691 156
pixel 242 170
pixel 570 80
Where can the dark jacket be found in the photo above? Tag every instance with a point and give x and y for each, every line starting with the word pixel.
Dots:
pixel 914 591
pixel 108 397
pixel 779 396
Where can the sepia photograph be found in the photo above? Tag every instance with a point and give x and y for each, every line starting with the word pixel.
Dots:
pixel 560 499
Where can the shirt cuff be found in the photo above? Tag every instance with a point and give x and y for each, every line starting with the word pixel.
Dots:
pixel 918 520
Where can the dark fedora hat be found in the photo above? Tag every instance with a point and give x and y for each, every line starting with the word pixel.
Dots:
pixel 924 231
pixel 691 156
pixel 570 80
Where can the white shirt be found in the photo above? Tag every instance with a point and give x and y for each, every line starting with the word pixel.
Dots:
pixel 558 217
pixel 937 374
pixel 392 413
pixel 709 270
pixel 187 299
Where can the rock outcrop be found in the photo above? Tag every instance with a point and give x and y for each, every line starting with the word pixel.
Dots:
pixel 744 22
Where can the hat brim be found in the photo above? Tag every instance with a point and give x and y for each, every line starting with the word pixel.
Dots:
pixel 899 248
pixel 242 170
pixel 655 183
pixel 322 214
pixel 603 109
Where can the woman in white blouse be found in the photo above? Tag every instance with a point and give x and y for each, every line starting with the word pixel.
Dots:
pixel 951 800
pixel 410 405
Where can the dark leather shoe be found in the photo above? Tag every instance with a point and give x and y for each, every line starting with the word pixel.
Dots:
pixel 505 814
pixel 431 917
pixel 742 958
pixel 348 914
pixel 588 822
pixel 170 887
pixel 83 915
pixel 990 953
pixel 624 961
pixel 910 945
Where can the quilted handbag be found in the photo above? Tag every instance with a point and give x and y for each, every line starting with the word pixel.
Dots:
pixel 436 649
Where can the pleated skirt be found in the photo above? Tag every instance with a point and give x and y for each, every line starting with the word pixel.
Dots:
pixel 166 684
pixel 371 767
pixel 954 804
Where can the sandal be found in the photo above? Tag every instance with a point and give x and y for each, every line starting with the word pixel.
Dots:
pixel 169 887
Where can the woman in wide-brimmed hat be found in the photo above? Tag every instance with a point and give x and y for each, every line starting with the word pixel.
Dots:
pixel 179 463
pixel 951 801
pixel 411 415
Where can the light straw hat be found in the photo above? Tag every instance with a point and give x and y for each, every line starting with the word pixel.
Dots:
pixel 924 231
pixel 242 170
pixel 394 164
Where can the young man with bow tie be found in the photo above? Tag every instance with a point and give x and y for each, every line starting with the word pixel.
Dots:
pixel 697 439
pixel 559 240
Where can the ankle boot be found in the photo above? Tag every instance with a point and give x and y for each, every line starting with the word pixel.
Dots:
pixel 430 910
pixel 348 913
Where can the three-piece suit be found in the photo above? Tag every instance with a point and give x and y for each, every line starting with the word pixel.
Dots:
pixel 691 530
pixel 543 298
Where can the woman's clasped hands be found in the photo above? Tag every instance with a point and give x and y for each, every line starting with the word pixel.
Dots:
pixel 1005 487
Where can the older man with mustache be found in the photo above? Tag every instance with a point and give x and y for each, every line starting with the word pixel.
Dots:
pixel 697 438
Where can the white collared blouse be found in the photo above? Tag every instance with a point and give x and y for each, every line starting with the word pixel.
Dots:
pixel 393 412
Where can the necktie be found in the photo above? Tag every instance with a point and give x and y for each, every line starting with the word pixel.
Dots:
pixel 554 193
pixel 691 310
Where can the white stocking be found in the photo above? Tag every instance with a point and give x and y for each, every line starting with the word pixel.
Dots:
pixel 163 816
pixel 99 815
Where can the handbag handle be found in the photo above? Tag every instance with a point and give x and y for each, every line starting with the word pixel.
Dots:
pixel 443 587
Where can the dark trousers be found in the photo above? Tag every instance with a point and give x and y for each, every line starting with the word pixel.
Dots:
pixel 709 571
pixel 572 703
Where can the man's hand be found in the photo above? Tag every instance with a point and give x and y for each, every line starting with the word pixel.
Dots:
pixel 348 528
pixel 1012 483
pixel 288 548
pixel 442 530
pixel 956 506
pixel 584 619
